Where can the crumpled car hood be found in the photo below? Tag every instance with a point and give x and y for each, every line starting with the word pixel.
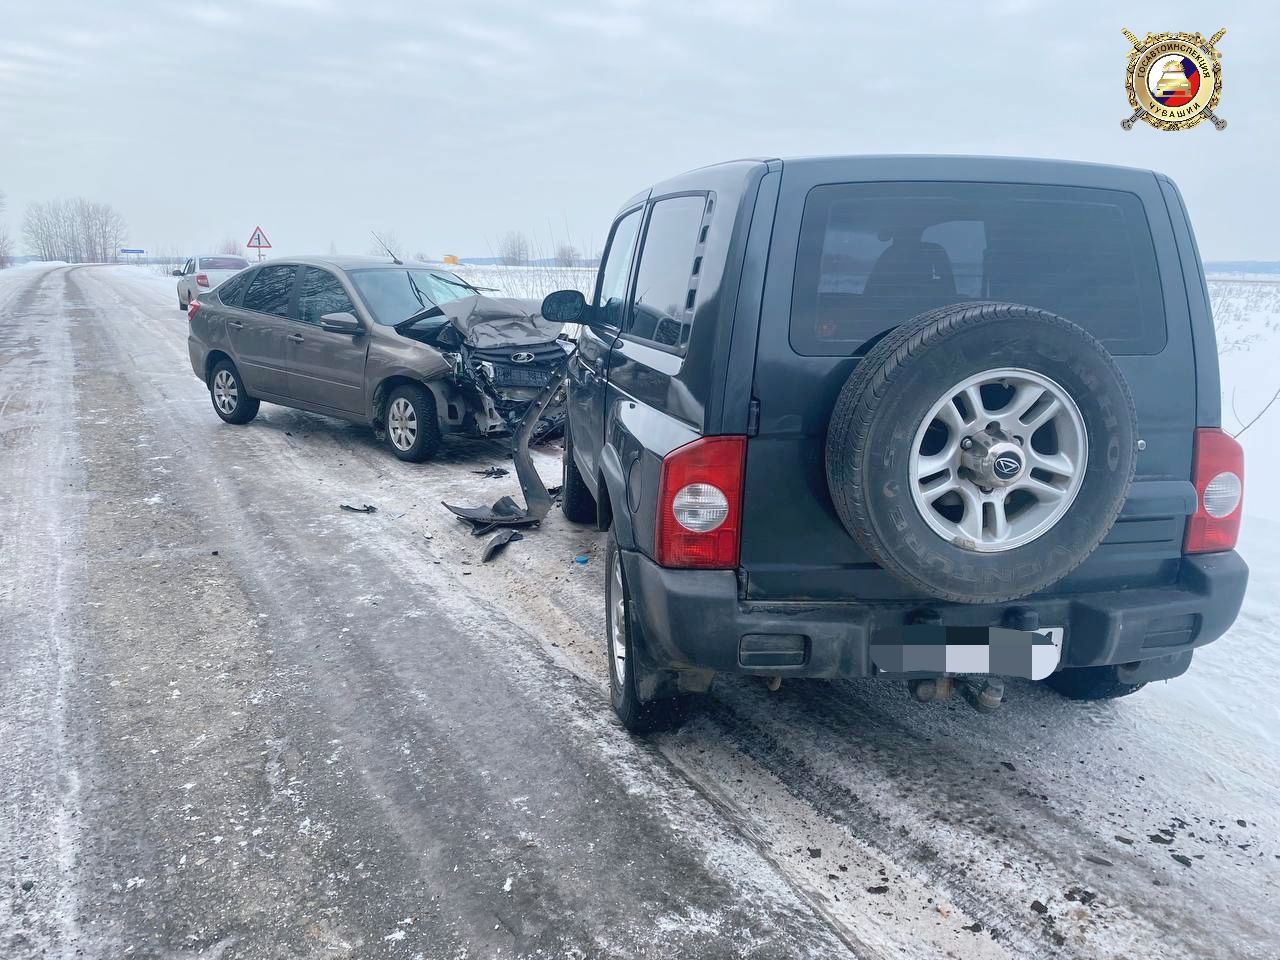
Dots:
pixel 493 321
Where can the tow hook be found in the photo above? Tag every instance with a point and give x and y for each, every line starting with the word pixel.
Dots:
pixel 984 694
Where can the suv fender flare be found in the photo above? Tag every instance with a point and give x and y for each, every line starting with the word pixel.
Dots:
pixel 615 486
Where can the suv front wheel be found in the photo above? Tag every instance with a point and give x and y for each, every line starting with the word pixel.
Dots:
pixel 576 501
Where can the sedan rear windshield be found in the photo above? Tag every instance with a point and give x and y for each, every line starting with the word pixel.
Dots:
pixel 223 263
pixel 873 255
pixel 394 295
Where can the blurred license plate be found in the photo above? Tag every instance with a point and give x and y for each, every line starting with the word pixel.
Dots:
pixel 521 377
pixel 959 650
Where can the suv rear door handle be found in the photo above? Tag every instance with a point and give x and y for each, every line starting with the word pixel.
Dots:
pixel 295 337
pixel 235 324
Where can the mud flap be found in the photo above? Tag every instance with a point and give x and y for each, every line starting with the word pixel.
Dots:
pixel 505 512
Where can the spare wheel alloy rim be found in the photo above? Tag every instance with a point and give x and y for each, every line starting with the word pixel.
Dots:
pixel 225 394
pixel 998 460
pixel 402 423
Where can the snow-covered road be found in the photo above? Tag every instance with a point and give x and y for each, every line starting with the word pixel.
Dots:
pixel 242 723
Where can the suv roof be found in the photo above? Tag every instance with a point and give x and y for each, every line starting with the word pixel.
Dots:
pixel 939 166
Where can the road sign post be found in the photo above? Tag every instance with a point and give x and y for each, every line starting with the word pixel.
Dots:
pixel 258 241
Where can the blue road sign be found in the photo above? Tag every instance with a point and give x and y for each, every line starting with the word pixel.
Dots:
pixel 131 250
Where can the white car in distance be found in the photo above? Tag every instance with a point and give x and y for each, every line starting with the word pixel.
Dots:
pixel 205 273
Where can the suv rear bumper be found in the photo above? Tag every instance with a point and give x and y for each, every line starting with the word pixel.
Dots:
pixel 694 619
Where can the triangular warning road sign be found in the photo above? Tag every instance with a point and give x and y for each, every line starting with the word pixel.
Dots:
pixel 258 241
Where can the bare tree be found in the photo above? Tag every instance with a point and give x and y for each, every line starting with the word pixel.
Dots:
pixel 231 247
pixel 1255 418
pixel 77 231
pixel 6 245
pixel 513 249
pixel 566 255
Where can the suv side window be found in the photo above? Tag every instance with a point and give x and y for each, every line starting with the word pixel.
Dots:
pixel 319 293
pixel 663 307
pixel 270 290
pixel 611 291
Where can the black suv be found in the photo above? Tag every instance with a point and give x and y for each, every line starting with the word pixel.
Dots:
pixel 942 419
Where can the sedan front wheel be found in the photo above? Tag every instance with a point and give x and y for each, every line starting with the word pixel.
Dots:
pixel 411 424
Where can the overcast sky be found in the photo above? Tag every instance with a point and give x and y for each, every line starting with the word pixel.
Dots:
pixel 450 124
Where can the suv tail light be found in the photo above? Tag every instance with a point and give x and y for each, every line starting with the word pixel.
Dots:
pixel 700 504
pixel 1217 470
pixel 192 307
pixel 202 280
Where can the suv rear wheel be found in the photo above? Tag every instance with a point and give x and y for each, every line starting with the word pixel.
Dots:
pixel 981 451
pixel 413 430
pixel 1091 683
pixel 638 716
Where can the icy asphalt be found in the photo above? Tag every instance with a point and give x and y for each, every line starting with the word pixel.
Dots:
pixel 239 722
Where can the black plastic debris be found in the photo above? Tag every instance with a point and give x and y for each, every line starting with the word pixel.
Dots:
pixel 367 508
pixel 499 542
pixel 505 512
pixel 492 472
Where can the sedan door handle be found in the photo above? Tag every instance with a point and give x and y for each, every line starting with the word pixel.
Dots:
pixel 234 324
pixel 295 337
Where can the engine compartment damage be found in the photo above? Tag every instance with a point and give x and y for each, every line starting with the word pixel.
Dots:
pixel 503 350
pixel 501 354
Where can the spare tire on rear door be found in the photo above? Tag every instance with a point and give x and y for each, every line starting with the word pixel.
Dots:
pixel 981 451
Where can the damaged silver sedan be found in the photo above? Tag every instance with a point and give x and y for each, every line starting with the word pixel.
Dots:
pixel 414 351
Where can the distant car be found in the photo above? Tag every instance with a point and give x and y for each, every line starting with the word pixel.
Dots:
pixel 205 273
pixel 411 350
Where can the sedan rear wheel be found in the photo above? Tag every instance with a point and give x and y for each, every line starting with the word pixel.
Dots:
pixel 226 390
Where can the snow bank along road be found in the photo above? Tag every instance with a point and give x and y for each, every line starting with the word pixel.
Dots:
pixel 239 722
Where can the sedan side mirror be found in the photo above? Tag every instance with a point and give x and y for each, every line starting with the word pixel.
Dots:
pixel 564 306
pixel 177 273
pixel 341 323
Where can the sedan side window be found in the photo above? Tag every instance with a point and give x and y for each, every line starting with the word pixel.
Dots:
pixel 611 294
pixel 188 268
pixel 270 291
pixel 319 293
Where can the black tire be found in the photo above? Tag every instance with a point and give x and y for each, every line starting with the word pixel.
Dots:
pixel 242 408
pixel 1091 683
pixel 183 306
pixel 890 392
pixel 637 716
pixel 576 501
pixel 426 429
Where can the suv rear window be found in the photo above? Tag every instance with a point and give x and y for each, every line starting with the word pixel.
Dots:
pixel 873 255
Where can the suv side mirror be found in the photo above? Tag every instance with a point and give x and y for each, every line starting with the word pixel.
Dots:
pixel 564 306
pixel 177 273
pixel 341 323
